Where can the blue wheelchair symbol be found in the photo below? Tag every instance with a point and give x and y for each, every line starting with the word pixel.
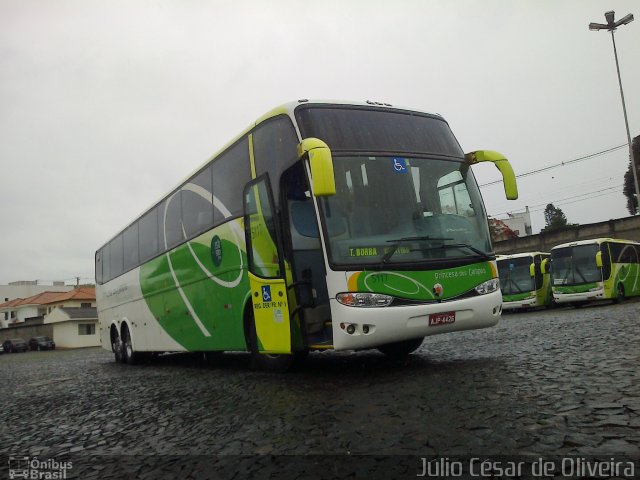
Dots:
pixel 266 293
pixel 399 165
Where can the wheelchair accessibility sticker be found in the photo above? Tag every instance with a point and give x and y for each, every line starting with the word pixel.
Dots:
pixel 266 293
pixel 399 165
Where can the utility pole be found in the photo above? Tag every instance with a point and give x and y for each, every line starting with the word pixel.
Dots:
pixel 611 26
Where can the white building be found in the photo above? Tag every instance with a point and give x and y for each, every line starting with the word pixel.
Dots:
pixel 25 289
pixel 72 316
pixel 519 223
pixel 74 327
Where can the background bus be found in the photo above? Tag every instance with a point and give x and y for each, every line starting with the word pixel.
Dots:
pixel 598 269
pixel 279 244
pixel 524 280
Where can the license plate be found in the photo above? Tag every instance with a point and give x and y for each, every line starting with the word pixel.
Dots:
pixel 445 318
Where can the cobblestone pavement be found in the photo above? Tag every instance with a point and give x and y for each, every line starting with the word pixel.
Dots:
pixel 554 382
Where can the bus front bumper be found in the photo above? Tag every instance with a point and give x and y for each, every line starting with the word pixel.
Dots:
pixel 525 303
pixel 377 326
pixel 578 297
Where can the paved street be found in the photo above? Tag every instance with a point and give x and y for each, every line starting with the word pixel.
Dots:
pixel 555 382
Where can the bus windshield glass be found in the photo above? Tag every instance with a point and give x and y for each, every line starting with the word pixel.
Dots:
pixel 405 195
pixel 365 130
pixel 392 210
pixel 575 265
pixel 515 276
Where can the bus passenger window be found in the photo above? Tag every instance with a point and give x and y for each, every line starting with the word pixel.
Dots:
pixel 197 204
pixel 130 240
pixel 172 221
pixel 149 239
pixel 117 264
pixel 231 172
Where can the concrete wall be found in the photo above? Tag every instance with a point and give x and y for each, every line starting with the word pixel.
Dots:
pixel 25 332
pixel 65 334
pixel 627 228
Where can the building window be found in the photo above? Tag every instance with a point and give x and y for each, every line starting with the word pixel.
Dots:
pixel 85 305
pixel 86 329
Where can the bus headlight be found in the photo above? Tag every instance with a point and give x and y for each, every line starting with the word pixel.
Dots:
pixel 489 286
pixel 364 299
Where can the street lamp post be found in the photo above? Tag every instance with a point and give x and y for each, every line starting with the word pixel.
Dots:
pixel 611 26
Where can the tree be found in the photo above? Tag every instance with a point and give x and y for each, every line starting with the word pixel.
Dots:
pixel 554 218
pixel 629 187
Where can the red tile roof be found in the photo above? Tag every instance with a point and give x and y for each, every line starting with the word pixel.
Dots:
pixel 46 298
pixel 11 303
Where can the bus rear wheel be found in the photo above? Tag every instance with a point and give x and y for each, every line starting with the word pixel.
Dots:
pixel 128 354
pixel 401 349
pixel 116 344
pixel 263 361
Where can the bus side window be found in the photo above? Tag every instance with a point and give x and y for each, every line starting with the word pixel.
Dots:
pixel 171 227
pixel 149 235
pixel 99 267
pixel 117 264
pixel 130 239
pixel 231 172
pixel 106 263
pixel 197 203
pixel 275 144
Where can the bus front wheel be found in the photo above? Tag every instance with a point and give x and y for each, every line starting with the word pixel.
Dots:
pixel 401 349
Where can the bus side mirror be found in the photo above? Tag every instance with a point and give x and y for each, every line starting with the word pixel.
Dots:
pixel 499 160
pixel 545 267
pixel 323 183
pixel 599 259
pixel 532 270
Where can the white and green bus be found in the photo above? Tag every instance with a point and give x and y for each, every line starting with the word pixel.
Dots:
pixel 324 225
pixel 524 280
pixel 598 269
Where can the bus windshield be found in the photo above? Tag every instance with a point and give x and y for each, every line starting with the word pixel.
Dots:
pixel 395 210
pixel 575 265
pixel 515 276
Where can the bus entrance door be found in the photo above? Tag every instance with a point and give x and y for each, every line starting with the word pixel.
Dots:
pixel 266 269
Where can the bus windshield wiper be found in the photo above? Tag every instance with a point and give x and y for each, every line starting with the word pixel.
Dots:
pixel 513 283
pixel 577 270
pixel 479 252
pixel 399 241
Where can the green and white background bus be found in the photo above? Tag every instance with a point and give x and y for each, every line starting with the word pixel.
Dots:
pixel 598 269
pixel 324 225
pixel 524 280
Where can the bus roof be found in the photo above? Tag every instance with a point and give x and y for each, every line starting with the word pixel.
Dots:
pixel 594 241
pixel 284 109
pixel 520 255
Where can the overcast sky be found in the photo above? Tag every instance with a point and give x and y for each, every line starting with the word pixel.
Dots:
pixel 105 106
